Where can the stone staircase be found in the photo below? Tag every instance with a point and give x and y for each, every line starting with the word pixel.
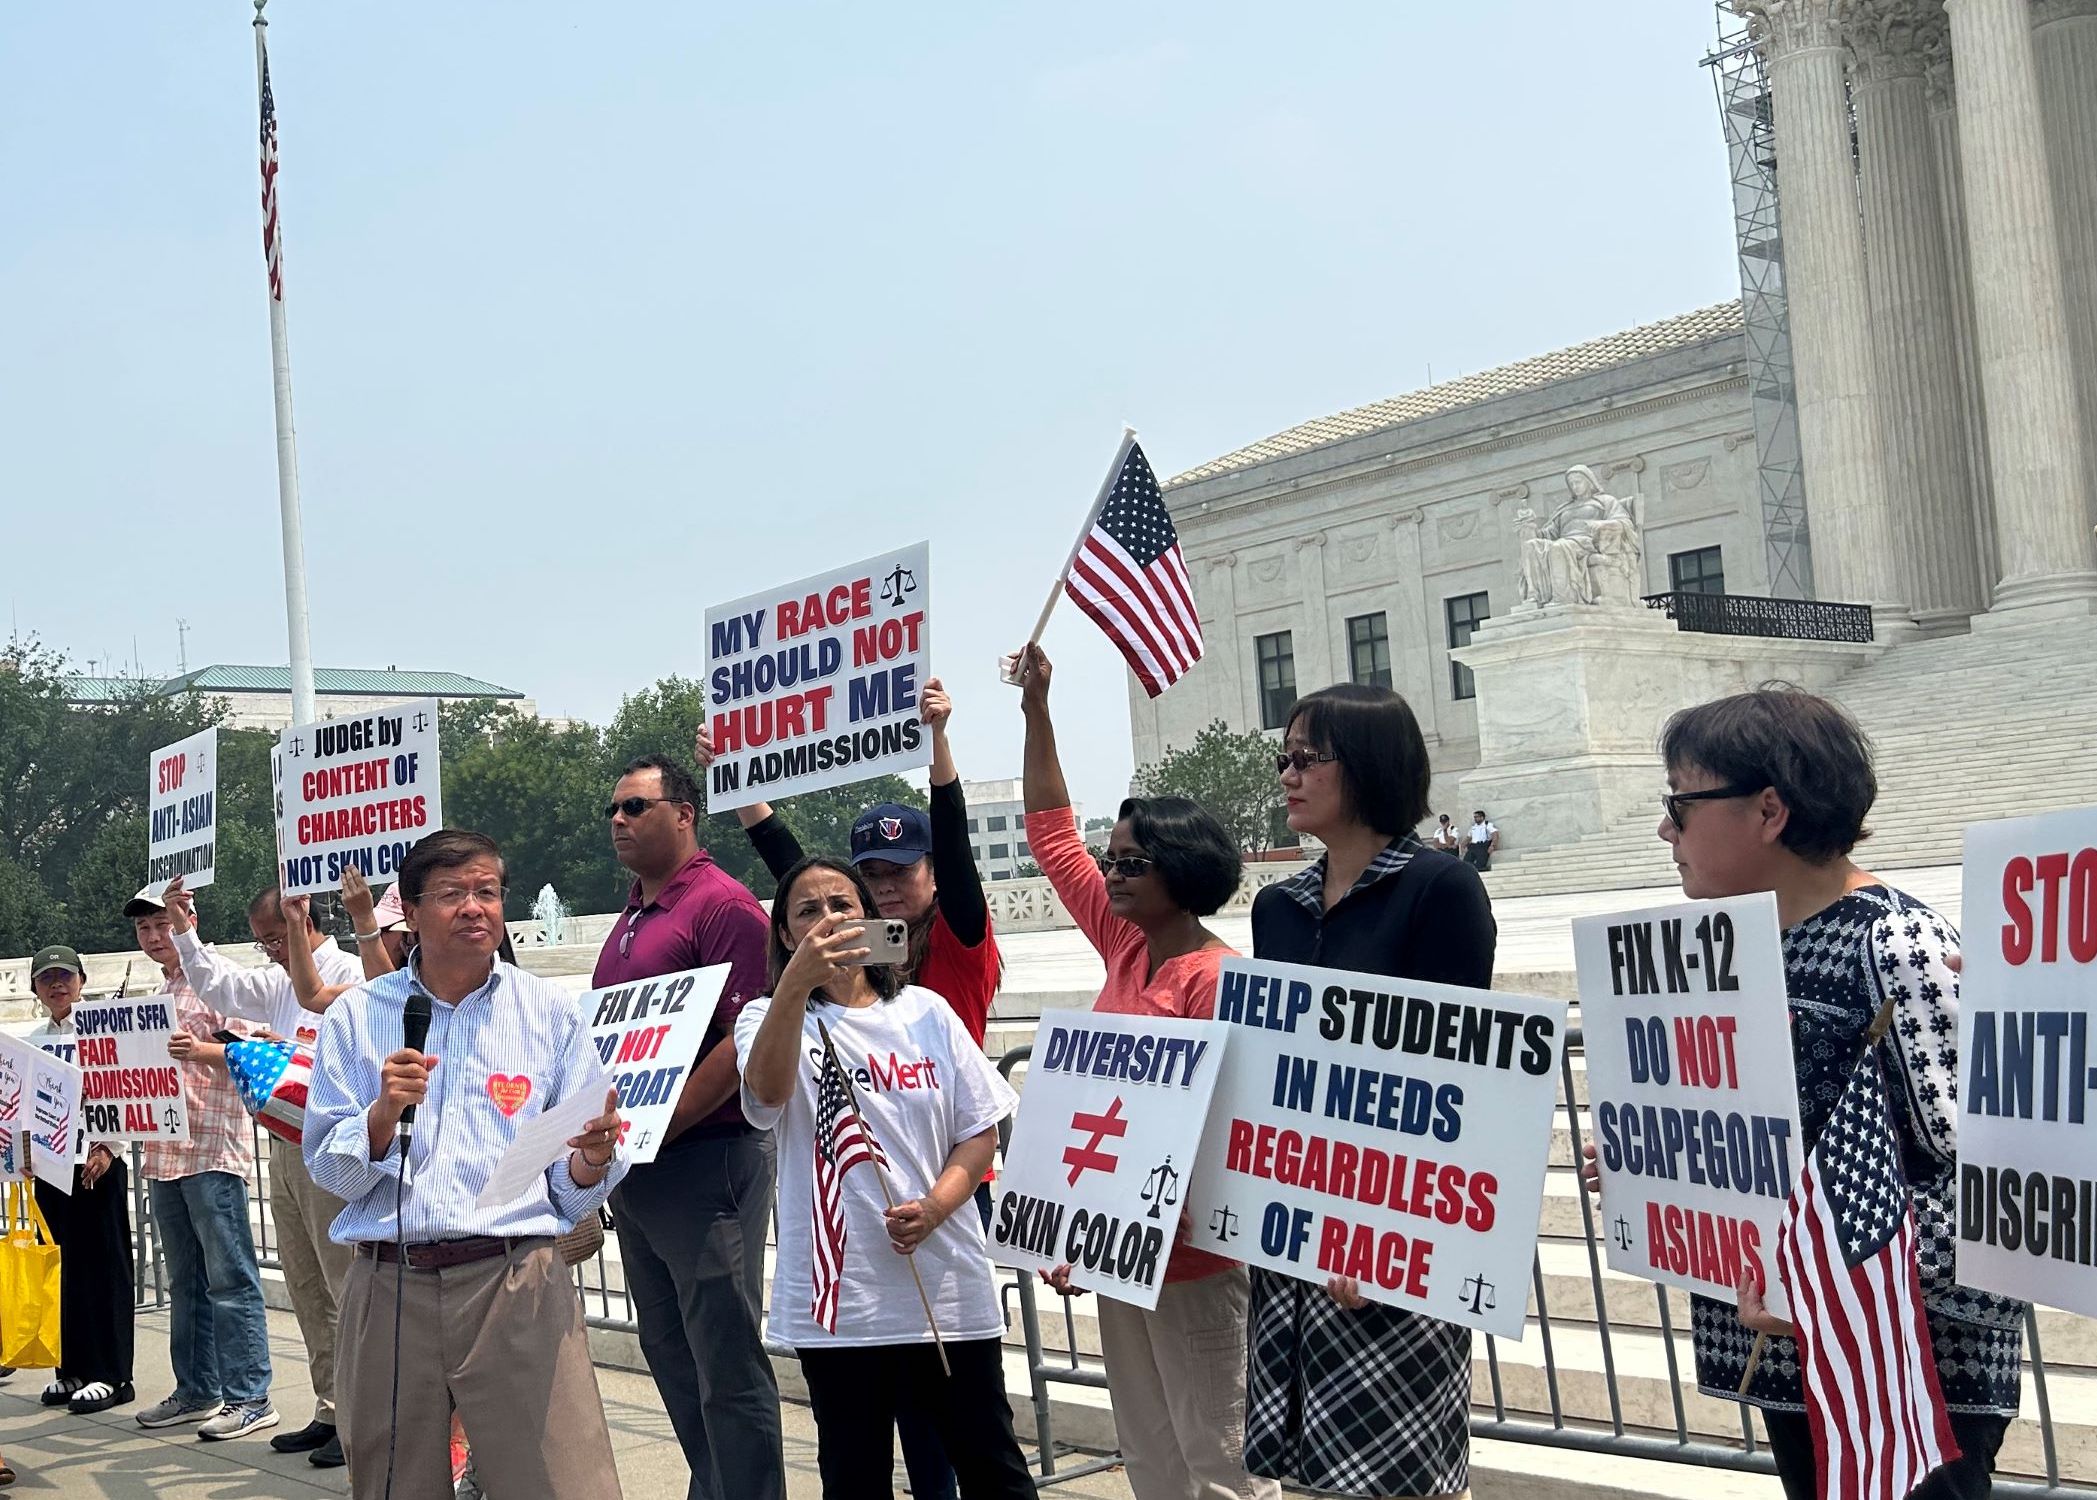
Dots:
pixel 1992 724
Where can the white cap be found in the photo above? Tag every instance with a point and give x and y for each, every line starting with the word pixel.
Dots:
pixel 387 912
pixel 150 898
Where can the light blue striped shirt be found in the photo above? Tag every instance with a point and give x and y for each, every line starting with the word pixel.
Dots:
pixel 515 1027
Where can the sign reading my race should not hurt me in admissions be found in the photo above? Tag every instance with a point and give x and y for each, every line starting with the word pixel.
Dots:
pixel 2028 1061
pixel 1692 1091
pixel 361 791
pixel 182 811
pixel 815 684
pixel 1384 1129
pixel 1109 1123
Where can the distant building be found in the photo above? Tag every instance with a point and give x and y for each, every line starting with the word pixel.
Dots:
pixel 260 697
pixel 997 827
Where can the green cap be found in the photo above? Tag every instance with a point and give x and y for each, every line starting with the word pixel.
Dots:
pixel 57 956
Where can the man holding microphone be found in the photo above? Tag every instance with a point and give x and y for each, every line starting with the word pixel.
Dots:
pixel 449 1304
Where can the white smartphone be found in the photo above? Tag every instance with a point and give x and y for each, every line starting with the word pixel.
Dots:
pixel 887 941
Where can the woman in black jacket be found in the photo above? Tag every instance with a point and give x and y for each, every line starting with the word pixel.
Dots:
pixel 1341 1393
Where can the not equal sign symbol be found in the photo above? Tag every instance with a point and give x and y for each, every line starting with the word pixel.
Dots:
pixel 1088 1157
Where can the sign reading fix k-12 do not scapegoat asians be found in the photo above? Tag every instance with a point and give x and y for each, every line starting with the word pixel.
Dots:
pixel 362 791
pixel 1691 1090
pixel 815 684
pixel 2027 1200
pixel 1109 1123
pixel 1383 1129
pixel 647 1033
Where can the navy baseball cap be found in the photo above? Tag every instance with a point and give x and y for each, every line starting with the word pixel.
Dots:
pixel 901 835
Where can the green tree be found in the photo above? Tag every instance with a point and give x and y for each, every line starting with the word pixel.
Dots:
pixel 538 790
pixel 1232 775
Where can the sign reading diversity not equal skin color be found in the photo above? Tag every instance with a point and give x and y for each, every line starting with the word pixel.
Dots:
pixel 182 809
pixel 2027 1201
pixel 815 684
pixel 1692 1091
pixel 361 791
pixel 1108 1128
pixel 1391 1131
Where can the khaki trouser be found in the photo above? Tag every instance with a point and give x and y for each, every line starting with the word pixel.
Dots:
pixel 314 1265
pixel 1177 1376
pixel 502 1340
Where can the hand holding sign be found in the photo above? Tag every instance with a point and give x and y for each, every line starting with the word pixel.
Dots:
pixel 181 907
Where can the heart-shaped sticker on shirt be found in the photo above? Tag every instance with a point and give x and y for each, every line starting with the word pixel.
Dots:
pixel 509 1091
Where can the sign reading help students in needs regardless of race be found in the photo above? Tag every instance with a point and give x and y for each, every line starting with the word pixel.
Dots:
pixel 1108 1128
pixel 358 791
pixel 130 1089
pixel 648 1034
pixel 815 684
pixel 182 806
pixel 1692 1091
pixel 2027 1202
pixel 1388 1130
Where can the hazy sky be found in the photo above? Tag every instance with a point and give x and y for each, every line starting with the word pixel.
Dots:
pixel 603 313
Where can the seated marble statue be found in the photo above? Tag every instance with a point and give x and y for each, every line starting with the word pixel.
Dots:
pixel 1587 553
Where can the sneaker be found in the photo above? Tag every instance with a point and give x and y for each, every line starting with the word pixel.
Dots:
pixel 174 1411
pixel 100 1395
pixel 238 1421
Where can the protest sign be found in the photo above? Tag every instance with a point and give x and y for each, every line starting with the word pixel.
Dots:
pixel 815 684
pixel 16 1059
pixel 2027 1061
pixel 1108 1129
pixel 1385 1129
pixel 358 791
pixel 52 1100
pixel 1692 1089
pixel 130 1089
pixel 648 1034
pixel 182 811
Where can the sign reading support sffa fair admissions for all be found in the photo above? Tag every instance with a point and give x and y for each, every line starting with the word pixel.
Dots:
pixel 815 684
pixel 1108 1128
pixel 1384 1129
pixel 182 804
pixel 361 791
pixel 647 1033
pixel 1691 1089
pixel 130 1089
pixel 2028 1061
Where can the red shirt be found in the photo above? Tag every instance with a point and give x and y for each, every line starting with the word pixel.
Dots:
pixel 966 978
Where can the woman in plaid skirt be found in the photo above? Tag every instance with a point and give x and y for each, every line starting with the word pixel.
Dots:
pixel 1341 1393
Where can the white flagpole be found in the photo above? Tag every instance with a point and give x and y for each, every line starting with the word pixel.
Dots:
pixel 295 613
pixel 1099 503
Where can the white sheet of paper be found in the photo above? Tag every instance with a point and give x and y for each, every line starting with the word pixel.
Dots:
pixel 541 1141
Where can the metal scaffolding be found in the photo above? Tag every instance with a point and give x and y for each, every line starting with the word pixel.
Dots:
pixel 1743 107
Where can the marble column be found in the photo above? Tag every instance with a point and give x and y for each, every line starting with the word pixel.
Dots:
pixel 1412 655
pixel 2035 444
pixel 1920 420
pixel 1847 501
pixel 1222 652
pixel 1951 198
pixel 1313 644
pixel 2064 47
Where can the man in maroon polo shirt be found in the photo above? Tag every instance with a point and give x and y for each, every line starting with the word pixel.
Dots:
pixel 692 1223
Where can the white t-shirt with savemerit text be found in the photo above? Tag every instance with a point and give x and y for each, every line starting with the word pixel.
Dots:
pixel 923 1087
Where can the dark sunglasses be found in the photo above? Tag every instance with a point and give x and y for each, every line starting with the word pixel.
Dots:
pixel 1127 866
pixel 633 807
pixel 1300 761
pixel 1674 803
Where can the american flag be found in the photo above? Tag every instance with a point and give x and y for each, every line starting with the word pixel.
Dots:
pixel 842 1142
pixel 272 1079
pixel 1846 1253
pixel 272 241
pixel 1131 577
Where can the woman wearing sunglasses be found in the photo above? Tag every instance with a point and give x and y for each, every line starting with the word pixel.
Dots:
pixel 1346 1394
pixel 1768 791
pixel 1175 1373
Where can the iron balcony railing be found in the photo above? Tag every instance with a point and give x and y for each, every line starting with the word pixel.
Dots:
pixel 1778 619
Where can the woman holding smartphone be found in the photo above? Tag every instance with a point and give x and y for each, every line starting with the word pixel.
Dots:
pixel 886 1116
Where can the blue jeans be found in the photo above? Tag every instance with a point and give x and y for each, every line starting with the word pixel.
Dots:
pixel 219 1329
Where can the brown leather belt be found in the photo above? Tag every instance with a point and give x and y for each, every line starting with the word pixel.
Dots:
pixel 439 1255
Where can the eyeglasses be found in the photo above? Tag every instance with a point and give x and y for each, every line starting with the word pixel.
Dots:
pixel 1673 803
pixel 271 947
pixel 1300 761
pixel 633 807
pixel 1127 866
pixel 452 897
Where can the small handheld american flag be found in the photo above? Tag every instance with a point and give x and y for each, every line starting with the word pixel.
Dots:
pixel 841 1143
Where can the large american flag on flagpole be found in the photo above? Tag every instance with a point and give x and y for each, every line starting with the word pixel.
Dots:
pixel 1846 1253
pixel 842 1142
pixel 272 241
pixel 1130 576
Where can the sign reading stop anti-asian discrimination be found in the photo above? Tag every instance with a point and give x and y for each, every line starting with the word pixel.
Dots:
pixel 1691 1090
pixel 51 1101
pixel 1384 1129
pixel 1108 1128
pixel 182 807
pixel 359 791
pixel 130 1089
pixel 648 1034
pixel 2027 1200
pixel 815 684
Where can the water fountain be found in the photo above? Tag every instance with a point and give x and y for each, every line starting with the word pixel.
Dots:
pixel 552 915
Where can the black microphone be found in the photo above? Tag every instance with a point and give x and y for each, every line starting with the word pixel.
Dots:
pixel 414 1031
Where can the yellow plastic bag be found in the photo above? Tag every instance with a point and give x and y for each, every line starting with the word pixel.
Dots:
pixel 28 1286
